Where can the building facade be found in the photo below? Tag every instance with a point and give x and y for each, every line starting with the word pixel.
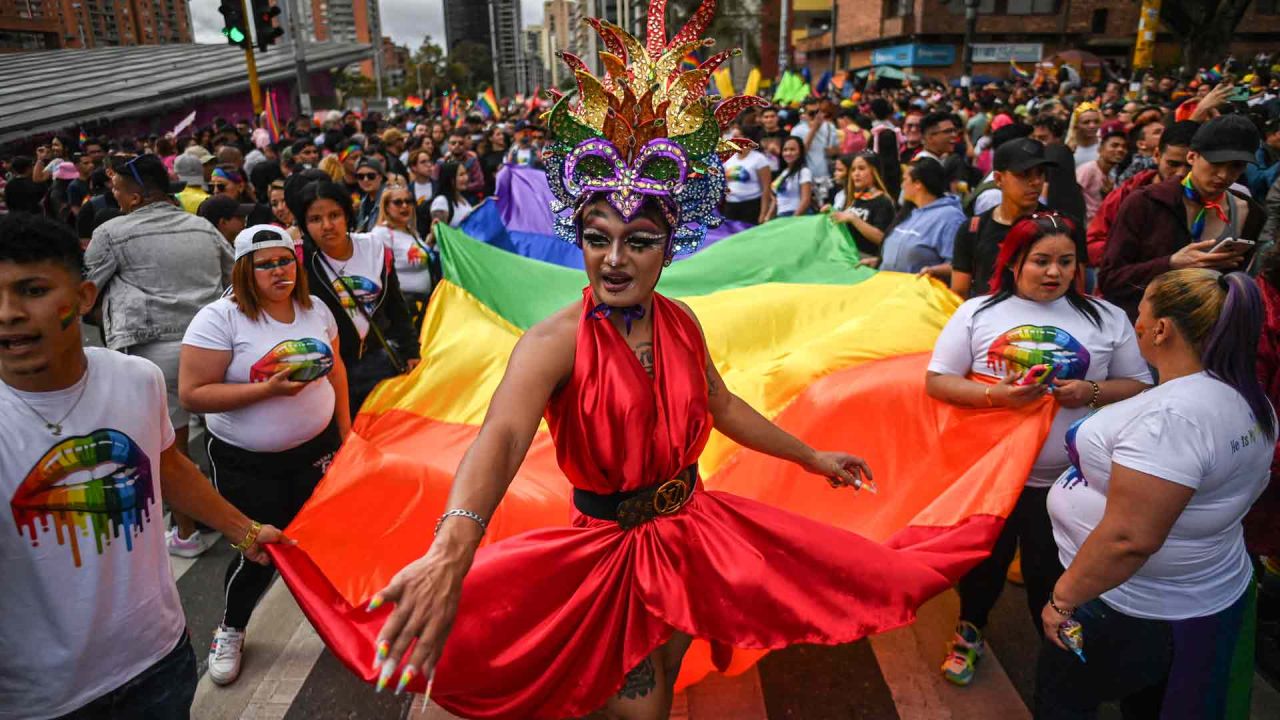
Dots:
pixel 927 36
pixel 347 21
pixel 53 24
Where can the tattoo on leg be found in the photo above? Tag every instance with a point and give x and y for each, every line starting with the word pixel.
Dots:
pixel 644 353
pixel 712 386
pixel 640 681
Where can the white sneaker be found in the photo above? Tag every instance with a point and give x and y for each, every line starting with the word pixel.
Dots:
pixel 191 546
pixel 224 655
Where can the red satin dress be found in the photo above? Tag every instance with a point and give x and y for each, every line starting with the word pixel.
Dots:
pixel 550 621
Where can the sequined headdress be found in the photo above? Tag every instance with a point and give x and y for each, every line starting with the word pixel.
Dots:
pixel 646 129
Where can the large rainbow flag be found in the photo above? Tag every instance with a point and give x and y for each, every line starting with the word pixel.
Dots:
pixel 829 350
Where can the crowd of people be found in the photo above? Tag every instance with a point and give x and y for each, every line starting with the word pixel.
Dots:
pixel 1114 251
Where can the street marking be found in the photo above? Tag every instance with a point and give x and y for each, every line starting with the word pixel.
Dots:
pixel 270 634
pixel 276 691
pixel 910 658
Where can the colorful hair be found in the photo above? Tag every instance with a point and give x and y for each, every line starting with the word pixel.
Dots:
pixel 229 174
pixel 1014 250
pixel 1221 316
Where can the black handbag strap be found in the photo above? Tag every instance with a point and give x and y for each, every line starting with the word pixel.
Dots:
pixel 400 367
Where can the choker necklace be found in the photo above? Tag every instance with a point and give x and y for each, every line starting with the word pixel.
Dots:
pixel 53 427
pixel 629 313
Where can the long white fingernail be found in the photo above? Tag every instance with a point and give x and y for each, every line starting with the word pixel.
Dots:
pixel 431 680
pixel 388 668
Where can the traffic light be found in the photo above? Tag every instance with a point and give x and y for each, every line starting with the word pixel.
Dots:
pixel 233 24
pixel 265 29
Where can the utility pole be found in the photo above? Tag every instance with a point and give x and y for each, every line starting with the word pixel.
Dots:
pixel 493 46
pixel 834 21
pixel 377 47
pixel 970 31
pixel 782 38
pixel 301 77
pixel 255 89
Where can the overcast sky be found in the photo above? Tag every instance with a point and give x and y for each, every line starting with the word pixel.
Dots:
pixel 405 21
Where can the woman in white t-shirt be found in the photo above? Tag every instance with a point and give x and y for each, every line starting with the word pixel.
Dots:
pixel 1148 518
pixel 748 175
pixel 355 276
pixel 262 364
pixel 397 230
pixel 793 190
pixel 1035 335
pixel 449 206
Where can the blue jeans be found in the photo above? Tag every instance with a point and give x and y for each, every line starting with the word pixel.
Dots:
pixel 163 691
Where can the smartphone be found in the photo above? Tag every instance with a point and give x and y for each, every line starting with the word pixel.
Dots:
pixel 1240 94
pixel 1233 245
pixel 1038 375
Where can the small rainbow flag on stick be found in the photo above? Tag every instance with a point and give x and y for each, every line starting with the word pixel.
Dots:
pixel 1018 73
pixel 84 138
pixel 270 118
pixel 487 104
pixel 413 102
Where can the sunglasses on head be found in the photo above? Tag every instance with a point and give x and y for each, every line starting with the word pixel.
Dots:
pixel 134 171
pixel 282 261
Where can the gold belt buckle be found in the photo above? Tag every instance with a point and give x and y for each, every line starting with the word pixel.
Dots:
pixel 670 496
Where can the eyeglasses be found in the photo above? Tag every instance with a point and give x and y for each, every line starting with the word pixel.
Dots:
pixel 282 261
pixel 367 176
pixel 400 202
pixel 942 131
pixel 217 187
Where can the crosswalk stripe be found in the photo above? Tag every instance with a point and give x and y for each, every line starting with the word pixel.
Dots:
pixel 909 659
pixel 282 682
pixel 269 641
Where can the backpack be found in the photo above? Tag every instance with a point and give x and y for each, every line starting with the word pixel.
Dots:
pixel 972 196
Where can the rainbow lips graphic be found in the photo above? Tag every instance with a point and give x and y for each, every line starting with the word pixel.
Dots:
pixel 306 359
pixel 366 292
pixel 99 483
pixel 1026 346
pixel 417 257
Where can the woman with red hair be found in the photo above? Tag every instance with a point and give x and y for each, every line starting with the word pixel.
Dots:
pixel 1036 334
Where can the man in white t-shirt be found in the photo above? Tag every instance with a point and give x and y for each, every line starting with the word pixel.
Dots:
pixel 90 622
pixel 817 129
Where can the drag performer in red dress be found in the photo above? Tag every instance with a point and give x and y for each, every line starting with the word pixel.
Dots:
pixel 560 622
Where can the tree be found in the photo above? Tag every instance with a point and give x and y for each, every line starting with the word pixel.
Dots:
pixel 1204 27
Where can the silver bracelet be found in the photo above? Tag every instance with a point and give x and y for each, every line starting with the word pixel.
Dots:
pixel 459 512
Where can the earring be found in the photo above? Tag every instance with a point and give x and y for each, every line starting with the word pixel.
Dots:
pixel 667 262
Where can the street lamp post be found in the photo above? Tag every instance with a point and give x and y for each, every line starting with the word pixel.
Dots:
pixel 970 30
pixel 782 38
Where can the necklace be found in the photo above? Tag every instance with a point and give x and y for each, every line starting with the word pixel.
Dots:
pixel 53 427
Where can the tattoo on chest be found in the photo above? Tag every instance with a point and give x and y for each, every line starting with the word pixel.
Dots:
pixel 640 681
pixel 644 353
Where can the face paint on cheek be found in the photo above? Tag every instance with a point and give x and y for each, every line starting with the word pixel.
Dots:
pixel 67 315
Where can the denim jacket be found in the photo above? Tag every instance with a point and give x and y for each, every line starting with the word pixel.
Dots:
pixel 156 267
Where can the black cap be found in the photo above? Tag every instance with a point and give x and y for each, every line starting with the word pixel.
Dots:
pixel 217 208
pixel 1227 138
pixel 1021 154
pixel 149 172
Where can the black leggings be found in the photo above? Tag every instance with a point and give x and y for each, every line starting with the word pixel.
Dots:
pixel 1028 527
pixel 270 488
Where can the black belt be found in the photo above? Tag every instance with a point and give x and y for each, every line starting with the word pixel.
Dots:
pixel 635 507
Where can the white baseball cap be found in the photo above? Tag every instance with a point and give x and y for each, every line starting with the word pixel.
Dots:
pixel 261 237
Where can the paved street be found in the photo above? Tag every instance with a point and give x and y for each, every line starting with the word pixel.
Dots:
pixel 288 673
